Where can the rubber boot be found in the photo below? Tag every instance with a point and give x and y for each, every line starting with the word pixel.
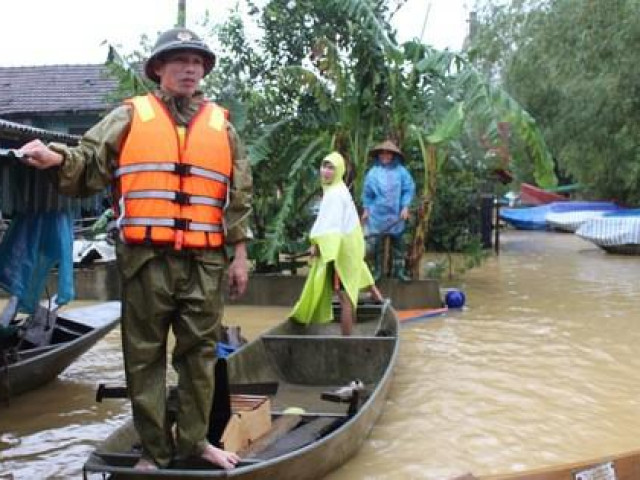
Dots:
pixel 397 252
pixel 378 254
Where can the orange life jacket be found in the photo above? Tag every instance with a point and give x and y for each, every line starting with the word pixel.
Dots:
pixel 173 188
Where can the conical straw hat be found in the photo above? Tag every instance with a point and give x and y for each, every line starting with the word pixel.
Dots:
pixel 387 146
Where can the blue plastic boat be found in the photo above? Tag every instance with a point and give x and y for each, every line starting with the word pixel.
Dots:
pixel 536 218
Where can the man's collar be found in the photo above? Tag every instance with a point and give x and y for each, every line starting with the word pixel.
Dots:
pixel 166 96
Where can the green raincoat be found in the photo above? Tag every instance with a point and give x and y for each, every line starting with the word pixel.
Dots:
pixel 338 236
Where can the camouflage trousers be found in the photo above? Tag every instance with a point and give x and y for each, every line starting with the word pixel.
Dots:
pixel 179 292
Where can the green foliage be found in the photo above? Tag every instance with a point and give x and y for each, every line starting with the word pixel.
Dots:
pixel 455 223
pixel 127 69
pixel 456 215
pixel 450 127
pixel 572 64
pixel 331 75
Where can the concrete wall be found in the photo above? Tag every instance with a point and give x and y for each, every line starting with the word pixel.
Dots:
pixel 102 283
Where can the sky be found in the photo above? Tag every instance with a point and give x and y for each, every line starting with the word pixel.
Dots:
pixel 50 32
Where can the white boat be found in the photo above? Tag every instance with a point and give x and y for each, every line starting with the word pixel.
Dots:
pixel 571 221
pixel 615 232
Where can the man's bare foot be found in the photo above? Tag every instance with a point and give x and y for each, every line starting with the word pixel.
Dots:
pixel 145 465
pixel 222 458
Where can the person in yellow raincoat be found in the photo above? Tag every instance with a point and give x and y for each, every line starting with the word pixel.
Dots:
pixel 337 254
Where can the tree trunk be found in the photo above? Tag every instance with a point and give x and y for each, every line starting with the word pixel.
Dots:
pixel 425 208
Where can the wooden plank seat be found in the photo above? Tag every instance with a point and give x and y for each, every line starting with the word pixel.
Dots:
pixel 299 437
pixel 280 427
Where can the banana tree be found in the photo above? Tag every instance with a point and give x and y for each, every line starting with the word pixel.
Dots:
pixel 433 156
pixel 340 77
pixel 434 95
pixel 421 97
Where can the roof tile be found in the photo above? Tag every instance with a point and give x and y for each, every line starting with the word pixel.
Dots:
pixel 55 88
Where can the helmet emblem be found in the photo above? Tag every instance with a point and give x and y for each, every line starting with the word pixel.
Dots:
pixel 184 36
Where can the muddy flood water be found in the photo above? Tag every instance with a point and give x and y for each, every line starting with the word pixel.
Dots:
pixel 540 368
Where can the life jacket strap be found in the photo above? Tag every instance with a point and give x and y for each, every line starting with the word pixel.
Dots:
pixel 175 223
pixel 181 169
pixel 178 197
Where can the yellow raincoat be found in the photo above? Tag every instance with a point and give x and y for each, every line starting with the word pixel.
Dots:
pixel 339 238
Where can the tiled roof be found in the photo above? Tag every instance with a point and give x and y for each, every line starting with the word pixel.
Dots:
pixel 54 88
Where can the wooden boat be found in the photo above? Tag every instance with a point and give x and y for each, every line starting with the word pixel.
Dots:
pixel 624 466
pixel 571 221
pixel 532 195
pixel 308 363
pixel 537 218
pixel 48 342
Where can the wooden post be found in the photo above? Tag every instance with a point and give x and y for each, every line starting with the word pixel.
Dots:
pixel 486 219
pixel 497 228
pixel 387 261
pixel 182 13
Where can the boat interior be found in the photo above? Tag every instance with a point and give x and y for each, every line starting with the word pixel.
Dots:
pixel 321 379
pixel 42 331
pixel 307 360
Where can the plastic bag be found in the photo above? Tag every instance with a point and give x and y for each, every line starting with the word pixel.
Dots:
pixel 34 244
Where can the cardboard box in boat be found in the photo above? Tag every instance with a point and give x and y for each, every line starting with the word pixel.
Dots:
pixel 250 419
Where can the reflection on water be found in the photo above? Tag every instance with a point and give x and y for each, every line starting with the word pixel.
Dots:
pixel 539 369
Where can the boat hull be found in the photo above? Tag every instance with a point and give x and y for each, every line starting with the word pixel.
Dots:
pixel 75 331
pixel 532 195
pixel 537 218
pixel 305 361
pixel 616 232
pixel 625 466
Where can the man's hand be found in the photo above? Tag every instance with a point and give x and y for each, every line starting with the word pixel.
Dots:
pixel 365 215
pixel 404 213
pixel 238 272
pixel 40 156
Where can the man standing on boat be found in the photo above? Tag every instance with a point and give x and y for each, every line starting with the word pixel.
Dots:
pixel 182 190
pixel 388 191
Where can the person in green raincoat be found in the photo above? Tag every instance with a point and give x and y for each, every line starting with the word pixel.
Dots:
pixel 337 254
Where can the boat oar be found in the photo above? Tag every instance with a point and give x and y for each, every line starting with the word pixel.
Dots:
pixel 258 388
pixel 110 392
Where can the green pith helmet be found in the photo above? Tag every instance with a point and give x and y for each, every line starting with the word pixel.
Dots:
pixel 174 40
